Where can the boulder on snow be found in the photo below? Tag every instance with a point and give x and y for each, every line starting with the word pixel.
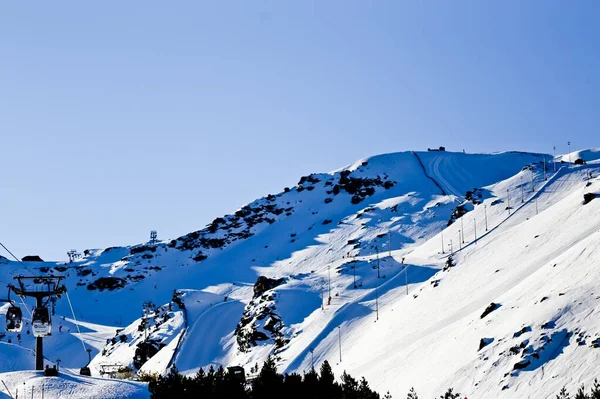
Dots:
pixel 588 197
pixel 264 284
pixel 491 307
pixel 107 283
pixel 521 365
pixel 483 342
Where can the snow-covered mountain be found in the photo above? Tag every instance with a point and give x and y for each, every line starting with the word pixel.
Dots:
pixel 353 267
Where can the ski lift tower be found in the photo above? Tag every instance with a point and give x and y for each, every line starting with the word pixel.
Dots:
pixel 43 287
pixel 153 237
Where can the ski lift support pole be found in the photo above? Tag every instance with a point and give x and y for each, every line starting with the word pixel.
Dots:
pixel 53 288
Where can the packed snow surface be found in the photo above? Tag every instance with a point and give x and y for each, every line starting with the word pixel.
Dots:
pixel 356 271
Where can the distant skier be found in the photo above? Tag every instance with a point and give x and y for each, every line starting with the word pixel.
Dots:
pixel 60 328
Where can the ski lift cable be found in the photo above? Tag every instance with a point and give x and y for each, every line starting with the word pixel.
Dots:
pixel 25 305
pixel 75 319
pixel 21 262
pixel 17 259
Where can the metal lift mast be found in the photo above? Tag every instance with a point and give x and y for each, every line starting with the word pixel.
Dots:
pixel 49 286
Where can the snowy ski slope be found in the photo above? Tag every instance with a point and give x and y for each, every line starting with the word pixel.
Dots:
pixel 536 260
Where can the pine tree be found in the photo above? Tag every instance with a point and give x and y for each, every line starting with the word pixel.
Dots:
pixel 563 394
pixel 581 393
pixel 326 376
pixel 293 386
pixel 268 383
pixel 328 388
pixel 311 384
pixel 349 387
pixel 365 392
pixel 412 394
pixel 595 394
pixel 450 394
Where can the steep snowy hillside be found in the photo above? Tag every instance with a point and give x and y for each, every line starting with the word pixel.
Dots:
pixel 355 257
pixel 534 267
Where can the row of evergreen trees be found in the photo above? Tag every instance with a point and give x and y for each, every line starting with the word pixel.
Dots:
pixel 581 392
pixel 268 384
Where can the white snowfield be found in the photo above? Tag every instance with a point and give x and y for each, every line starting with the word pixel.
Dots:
pixel 27 384
pixel 527 243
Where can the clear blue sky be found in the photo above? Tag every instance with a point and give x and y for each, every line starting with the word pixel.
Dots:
pixel 118 117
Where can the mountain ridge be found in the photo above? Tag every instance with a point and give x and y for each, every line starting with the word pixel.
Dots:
pixel 384 224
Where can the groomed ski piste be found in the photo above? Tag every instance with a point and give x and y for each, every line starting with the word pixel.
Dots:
pixel 374 237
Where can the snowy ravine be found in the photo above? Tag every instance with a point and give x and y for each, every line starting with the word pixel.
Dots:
pixel 374 234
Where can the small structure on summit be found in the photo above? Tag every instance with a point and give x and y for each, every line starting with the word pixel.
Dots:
pixel 32 258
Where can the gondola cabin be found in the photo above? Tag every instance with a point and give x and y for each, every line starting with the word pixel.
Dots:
pixel 14 319
pixel 41 324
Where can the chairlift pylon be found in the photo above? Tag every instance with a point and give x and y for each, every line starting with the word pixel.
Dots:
pixel 85 370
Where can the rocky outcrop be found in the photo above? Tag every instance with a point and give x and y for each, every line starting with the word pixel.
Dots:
pixel 260 322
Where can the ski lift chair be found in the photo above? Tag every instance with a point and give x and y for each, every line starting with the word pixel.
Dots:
pixel 41 324
pixel 14 319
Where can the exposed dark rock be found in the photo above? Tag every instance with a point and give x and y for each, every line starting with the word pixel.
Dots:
pixel 107 283
pixel 141 248
pixel 264 284
pixel 475 196
pixel 449 263
pixel 457 213
pixel 200 257
pixel 177 299
pixel 308 179
pixel 483 342
pixel 522 331
pixel 491 307
pixel 549 324
pixel 521 365
pixel 145 350
pixel 588 197
pixel 107 250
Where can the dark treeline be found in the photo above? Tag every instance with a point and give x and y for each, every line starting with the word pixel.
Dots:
pixel 581 392
pixel 268 384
